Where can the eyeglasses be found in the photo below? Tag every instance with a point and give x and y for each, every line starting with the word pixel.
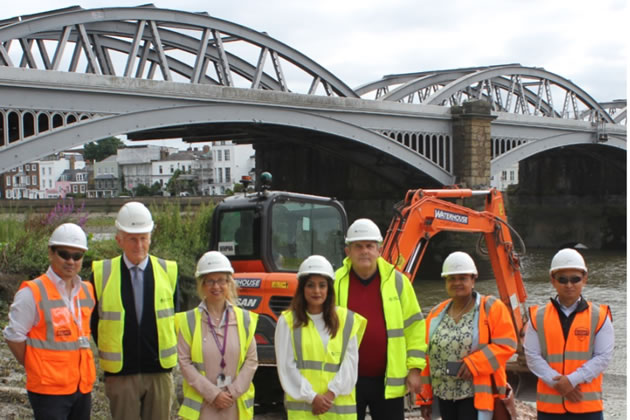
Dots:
pixel 65 255
pixel 565 280
pixel 211 283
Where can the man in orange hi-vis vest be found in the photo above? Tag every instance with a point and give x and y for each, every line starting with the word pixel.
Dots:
pixel 568 344
pixel 49 331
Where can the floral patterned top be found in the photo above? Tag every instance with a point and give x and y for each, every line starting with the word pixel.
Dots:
pixel 451 342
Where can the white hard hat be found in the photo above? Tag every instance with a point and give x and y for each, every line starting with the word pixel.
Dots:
pixel 213 262
pixel 567 258
pixel 363 230
pixel 316 264
pixel 134 217
pixel 70 235
pixel 458 262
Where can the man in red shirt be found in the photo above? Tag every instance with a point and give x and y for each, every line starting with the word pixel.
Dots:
pixel 392 352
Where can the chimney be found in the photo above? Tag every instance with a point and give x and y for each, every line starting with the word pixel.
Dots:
pixel 206 148
pixel 72 158
pixel 163 153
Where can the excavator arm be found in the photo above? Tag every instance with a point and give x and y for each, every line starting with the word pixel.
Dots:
pixel 425 213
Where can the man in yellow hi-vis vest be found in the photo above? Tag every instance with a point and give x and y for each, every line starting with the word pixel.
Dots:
pixel 392 353
pixel 134 324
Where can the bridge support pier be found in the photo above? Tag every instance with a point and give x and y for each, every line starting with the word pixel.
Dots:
pixel 472 144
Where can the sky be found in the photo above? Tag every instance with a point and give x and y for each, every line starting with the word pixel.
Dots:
pixel 361 41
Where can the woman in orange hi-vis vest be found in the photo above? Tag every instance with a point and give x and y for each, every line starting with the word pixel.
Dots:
pixel 49 331
pixel 470 338
pixel 568 345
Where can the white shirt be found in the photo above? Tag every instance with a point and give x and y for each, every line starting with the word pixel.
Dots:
pixel 23 314
pixel 293 383
pixel 602 353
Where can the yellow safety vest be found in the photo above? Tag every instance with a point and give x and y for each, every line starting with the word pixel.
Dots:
pixel 189 325
pixel 406 346
pixel 319 366
pixel 111 325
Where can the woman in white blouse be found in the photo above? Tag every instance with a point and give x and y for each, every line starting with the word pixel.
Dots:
pixel 215 347
pixel 316 347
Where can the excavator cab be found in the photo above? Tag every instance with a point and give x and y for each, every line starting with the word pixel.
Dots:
pixel 266 235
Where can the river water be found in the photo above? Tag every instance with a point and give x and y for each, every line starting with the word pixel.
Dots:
pixel 606 284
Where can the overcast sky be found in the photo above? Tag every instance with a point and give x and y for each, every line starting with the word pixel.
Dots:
pixel 584 41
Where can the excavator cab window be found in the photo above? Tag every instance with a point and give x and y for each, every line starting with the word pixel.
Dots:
pixel 238 233
pixel 301 229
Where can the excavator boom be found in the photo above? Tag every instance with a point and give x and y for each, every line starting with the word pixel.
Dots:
pixel 425 213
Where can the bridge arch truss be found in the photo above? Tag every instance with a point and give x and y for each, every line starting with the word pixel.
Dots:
pixel 159 44
pixel 509 88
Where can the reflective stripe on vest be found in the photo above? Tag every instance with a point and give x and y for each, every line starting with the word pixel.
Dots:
pixel 565 355
pixel 190 328
pixel 54 360
pixel 107 278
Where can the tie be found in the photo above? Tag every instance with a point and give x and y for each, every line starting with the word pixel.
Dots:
pixel 137 282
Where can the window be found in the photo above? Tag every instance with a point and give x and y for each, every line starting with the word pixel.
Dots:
pixel 189 169
pixel 8 181
pixel 49 171
pixel 34 179
pixel 160 169
pixel 75 188
pixel 172 169
pixel 301 229
pixel 28 180
pixel 82 188
pixel 503 175
pixel 27 168
pixel 43 171
pixel 227 155
pixel 9 193
pixel 228 174
pixel 511 175
pixel 220 175
pixel 50 183
pixel 43 184
pixel 219 155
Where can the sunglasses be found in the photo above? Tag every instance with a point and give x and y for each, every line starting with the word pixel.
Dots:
pixel 565 280
pixel 65 255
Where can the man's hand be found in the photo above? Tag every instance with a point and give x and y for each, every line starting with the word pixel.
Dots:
pixel 414 381
pixel 321 404
pixel 223 400
pixel 426 411
pixel 564 387
pixel 464 373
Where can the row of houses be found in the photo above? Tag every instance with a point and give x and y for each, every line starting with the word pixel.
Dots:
pixel 212 170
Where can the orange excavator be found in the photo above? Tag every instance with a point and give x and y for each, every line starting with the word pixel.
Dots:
pixel 267 234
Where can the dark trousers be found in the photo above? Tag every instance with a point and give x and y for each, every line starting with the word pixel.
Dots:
pixel 75 406
pixel 598 415
pixel 371 393
pixel 457 410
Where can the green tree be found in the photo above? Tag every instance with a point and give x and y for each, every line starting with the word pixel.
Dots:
pixel 97 151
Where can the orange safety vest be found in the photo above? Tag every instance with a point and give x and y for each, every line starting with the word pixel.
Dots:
pixel 54 360
pixel 487 363
pixel 567 355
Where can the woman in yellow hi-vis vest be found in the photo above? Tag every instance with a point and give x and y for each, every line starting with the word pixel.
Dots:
pixel 316 346
pixel 215 347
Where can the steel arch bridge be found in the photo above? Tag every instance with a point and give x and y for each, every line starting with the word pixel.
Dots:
pixel 111 62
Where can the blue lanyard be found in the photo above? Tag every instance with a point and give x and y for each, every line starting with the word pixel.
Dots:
pixel 216 339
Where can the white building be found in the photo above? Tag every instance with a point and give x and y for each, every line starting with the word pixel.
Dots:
pixel 193 164
pixel 505 178
pixel 136 163
pixel 231 162
pixel 51 168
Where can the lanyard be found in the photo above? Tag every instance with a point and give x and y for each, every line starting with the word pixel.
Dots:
pixel 216 339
